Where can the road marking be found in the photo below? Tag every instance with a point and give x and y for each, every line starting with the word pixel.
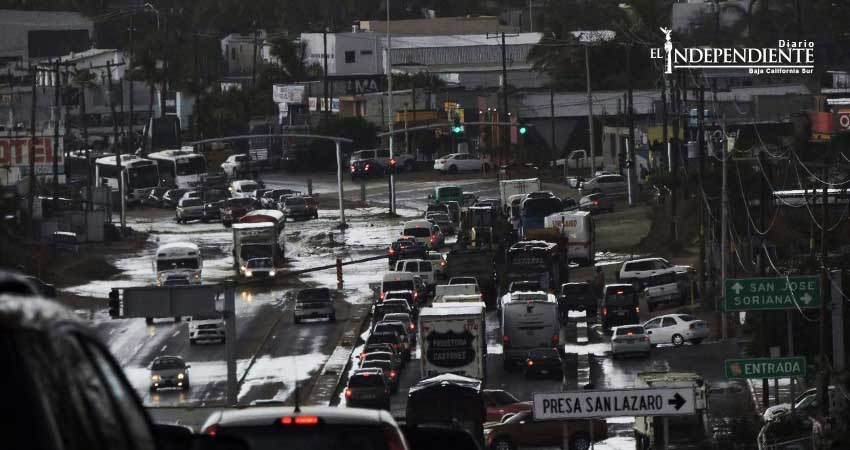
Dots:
pixel 176 332
pixel 163 348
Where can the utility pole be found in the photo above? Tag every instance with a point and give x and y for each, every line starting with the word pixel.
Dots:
pixel 390 107
pixel 592 137
pixel 254 60
pixel 406 136
pixel 664 138
pixel 130 135
pixel 631 163
pixel 325 75
pixel 765 383
pixel 724 242
pixel 31 198
pixel 674 159
pixel 552 126
pixel 701 148
pixel 117 145
pixel 823 379
pixel 164 53
pixel 506 142
pixel 57 114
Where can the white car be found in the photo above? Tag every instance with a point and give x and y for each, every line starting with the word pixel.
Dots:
pixel 459 162
pixel 206 330
pixel 676 329
pixel 804 401
pixel 637 271
pixel 235 164
pixel 243 188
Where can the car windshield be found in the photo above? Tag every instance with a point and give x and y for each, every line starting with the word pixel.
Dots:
pixel 398 285
pixel 191 166
pixel 687 318
pixel 338 436
pixel 449 192
pixel 417 232
pixel 167 363
pixel 620 297
pixel 249 187
pixel 541 206
pixel 294 201
pixel 626 331
pixel 180 263
pixel 582 288
pixel 525 286
pixel 397 317
pixel 239 202
pixel 191 202
pixel 462 280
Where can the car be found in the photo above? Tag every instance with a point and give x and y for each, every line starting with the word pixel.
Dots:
pixel 404 161
pixel 380 350
pixel 406 320
pixel 439 261
pixel 491 202
pixel 398 342
pixel 801 401
pixel 422 268
pixel 314 427
pixel 154 197
pixel 400 281
pixel 366 168
pixel 619 306
pixel 408 296
pixel 312 205
pixel 206 330
pixel 596 203
pixel 313 303
pixel 438 240
pixel 676 329
pixel 406 247
pixel 192 194
pixel 235 165
pixel 460 162
pixel 465 280
pixel 521 430
pixel 243 188
pixel 578 296
pixel 258 197
pixel 262 266
pixel 171 197
pixel 443 221
pixel 524 286
pixel 543 362
pixel 169 371
pixel 270 197
pixel 635 271
pixel 189 209
pixel 399 328
pixel 294 207
pixel 367 388
pixel 469 199
pixel 610 184
pixel 395 305
pixel 436 207
pixel 629 339
pixel 234 208
pixel 424 232
pixel 389 372
pixel 662 288
pixel 499 403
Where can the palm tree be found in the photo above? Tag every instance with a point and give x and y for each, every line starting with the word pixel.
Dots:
pixel 84 79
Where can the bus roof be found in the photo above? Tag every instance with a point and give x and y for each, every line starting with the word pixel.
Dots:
pixel 178 247
pixel 125 159
pixel 262 215
pixel 175 154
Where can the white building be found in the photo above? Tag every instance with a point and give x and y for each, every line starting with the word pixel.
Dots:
pixel 238 51
pixel 355 53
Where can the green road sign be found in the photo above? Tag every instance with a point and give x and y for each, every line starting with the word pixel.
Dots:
pixel 794 366
pixel 748 294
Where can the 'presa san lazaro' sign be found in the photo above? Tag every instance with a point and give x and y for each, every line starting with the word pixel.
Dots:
pixel 612 403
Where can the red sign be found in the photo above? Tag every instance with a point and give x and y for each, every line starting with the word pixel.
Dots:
pixel 822 122
pixel 15 151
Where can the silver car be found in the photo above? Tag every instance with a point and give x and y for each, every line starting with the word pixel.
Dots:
pixel 629 339
pixel 169 371
pixel 314 303
pixel 189 209
pixel 610 184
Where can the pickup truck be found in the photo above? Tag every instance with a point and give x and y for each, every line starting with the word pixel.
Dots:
pixel 637 271
pixel 662 288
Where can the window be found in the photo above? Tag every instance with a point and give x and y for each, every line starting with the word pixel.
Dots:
pixel 652 324
pixel 365 52
pixel 349 56
pixel 668 322
pixel 233 53
pixel 425 267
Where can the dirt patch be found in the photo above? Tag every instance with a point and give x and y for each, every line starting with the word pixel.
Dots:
pixel 332 202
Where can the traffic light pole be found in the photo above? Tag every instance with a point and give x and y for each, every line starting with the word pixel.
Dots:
pixel 389 63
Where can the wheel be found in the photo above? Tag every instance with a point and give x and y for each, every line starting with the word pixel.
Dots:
pixel 153 389
pixel 452 169
pixel 186 385
pixel 696 341
pixel 502 444
pixel 678 340
pixel 580 442
pixel 177 219
pixel 149 320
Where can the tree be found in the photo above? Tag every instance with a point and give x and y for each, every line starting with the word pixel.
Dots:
pixel 146 68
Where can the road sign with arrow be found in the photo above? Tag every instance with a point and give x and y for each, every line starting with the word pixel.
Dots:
pixel 748 294
pixel 613 403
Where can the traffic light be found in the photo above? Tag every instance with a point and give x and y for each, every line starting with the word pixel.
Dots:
pixel 114 304
pixel 457 128
pixel 523 129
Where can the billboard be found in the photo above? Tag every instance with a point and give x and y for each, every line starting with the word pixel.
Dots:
pixel 15 157
pixel 288 93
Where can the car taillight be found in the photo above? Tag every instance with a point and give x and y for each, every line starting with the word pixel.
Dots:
pixel 506 339
pixel 646 338
pixel 442 264
pixel 212 430
pixel 433 238
pixel 637 309
pixel 604 311
pixel 352 168
pixel 392 252
pixel 555 339
pixel 381 297
pixel 397 346
pixel 367 166
pixel 693 326
pixel 412 326
pixel 392 374
pixel 415 295
pixel 595 202
pixel 530 362
pixel 347 392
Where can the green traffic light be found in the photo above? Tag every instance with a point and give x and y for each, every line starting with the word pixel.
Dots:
pixel 457 129
pixel 522 130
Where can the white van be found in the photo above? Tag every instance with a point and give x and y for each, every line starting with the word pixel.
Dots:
pixel 400 281
pixel 425 269
pixel 177 262
pixel 423 231
pixel 529 321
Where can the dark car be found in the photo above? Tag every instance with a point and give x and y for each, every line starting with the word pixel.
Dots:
pixel 499 403
pixel 235 208
pixel 619 305
pixel 171 197
pixel 366 168
pixel 367 388
pixel 577 296
pixel 214 200
pixel 406 248
pixel 312 206
pixel 392 338
pixel 596 203
pixel 388 368
pixel 544 362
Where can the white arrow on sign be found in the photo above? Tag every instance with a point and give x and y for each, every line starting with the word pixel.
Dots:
pixel 614 403
pixel 737 288
pixel 806 298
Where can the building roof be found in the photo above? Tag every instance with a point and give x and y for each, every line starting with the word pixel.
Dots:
pixel 462 40
pixel 439 26
pixel 90 53
pixel 59 20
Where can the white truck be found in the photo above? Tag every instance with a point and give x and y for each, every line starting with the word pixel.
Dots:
pixel 453 339
pixel 441 292
pixel 649 431
pixel 257 248
pixel 512 192
pixel 580 230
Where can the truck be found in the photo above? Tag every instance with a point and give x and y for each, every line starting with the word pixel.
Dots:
pixel 579 229
pixel 258 245
pixel 453 339
pixel 444 291
pixel 649 430
pixel 478 262
pixel 529 321
pixel 509 188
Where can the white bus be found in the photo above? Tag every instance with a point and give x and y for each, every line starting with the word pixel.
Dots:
pixel 182 168
pixel 178 263
pixel 529 320
pixel 140 175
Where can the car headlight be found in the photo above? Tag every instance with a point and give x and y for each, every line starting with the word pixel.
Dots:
pixel 248 273
pixel 180 376
pixel 155 378
pixel 271 273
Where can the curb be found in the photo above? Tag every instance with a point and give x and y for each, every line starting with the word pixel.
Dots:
pixel 331 376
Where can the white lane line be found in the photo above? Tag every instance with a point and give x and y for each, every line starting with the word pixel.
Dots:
pixel 163 348
pixel 176 332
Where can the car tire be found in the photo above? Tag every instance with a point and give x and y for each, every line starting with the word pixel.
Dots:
pixel 186 386
pixel 486 167
pixel 452 169
pixel 152 389
pixel 502 444
pixel 696 341
pixel 678 340
pixel 580 442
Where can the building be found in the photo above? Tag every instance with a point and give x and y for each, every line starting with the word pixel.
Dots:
pixel 238 51
pixel 353 53
pixel 33 36
pixel 438 26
